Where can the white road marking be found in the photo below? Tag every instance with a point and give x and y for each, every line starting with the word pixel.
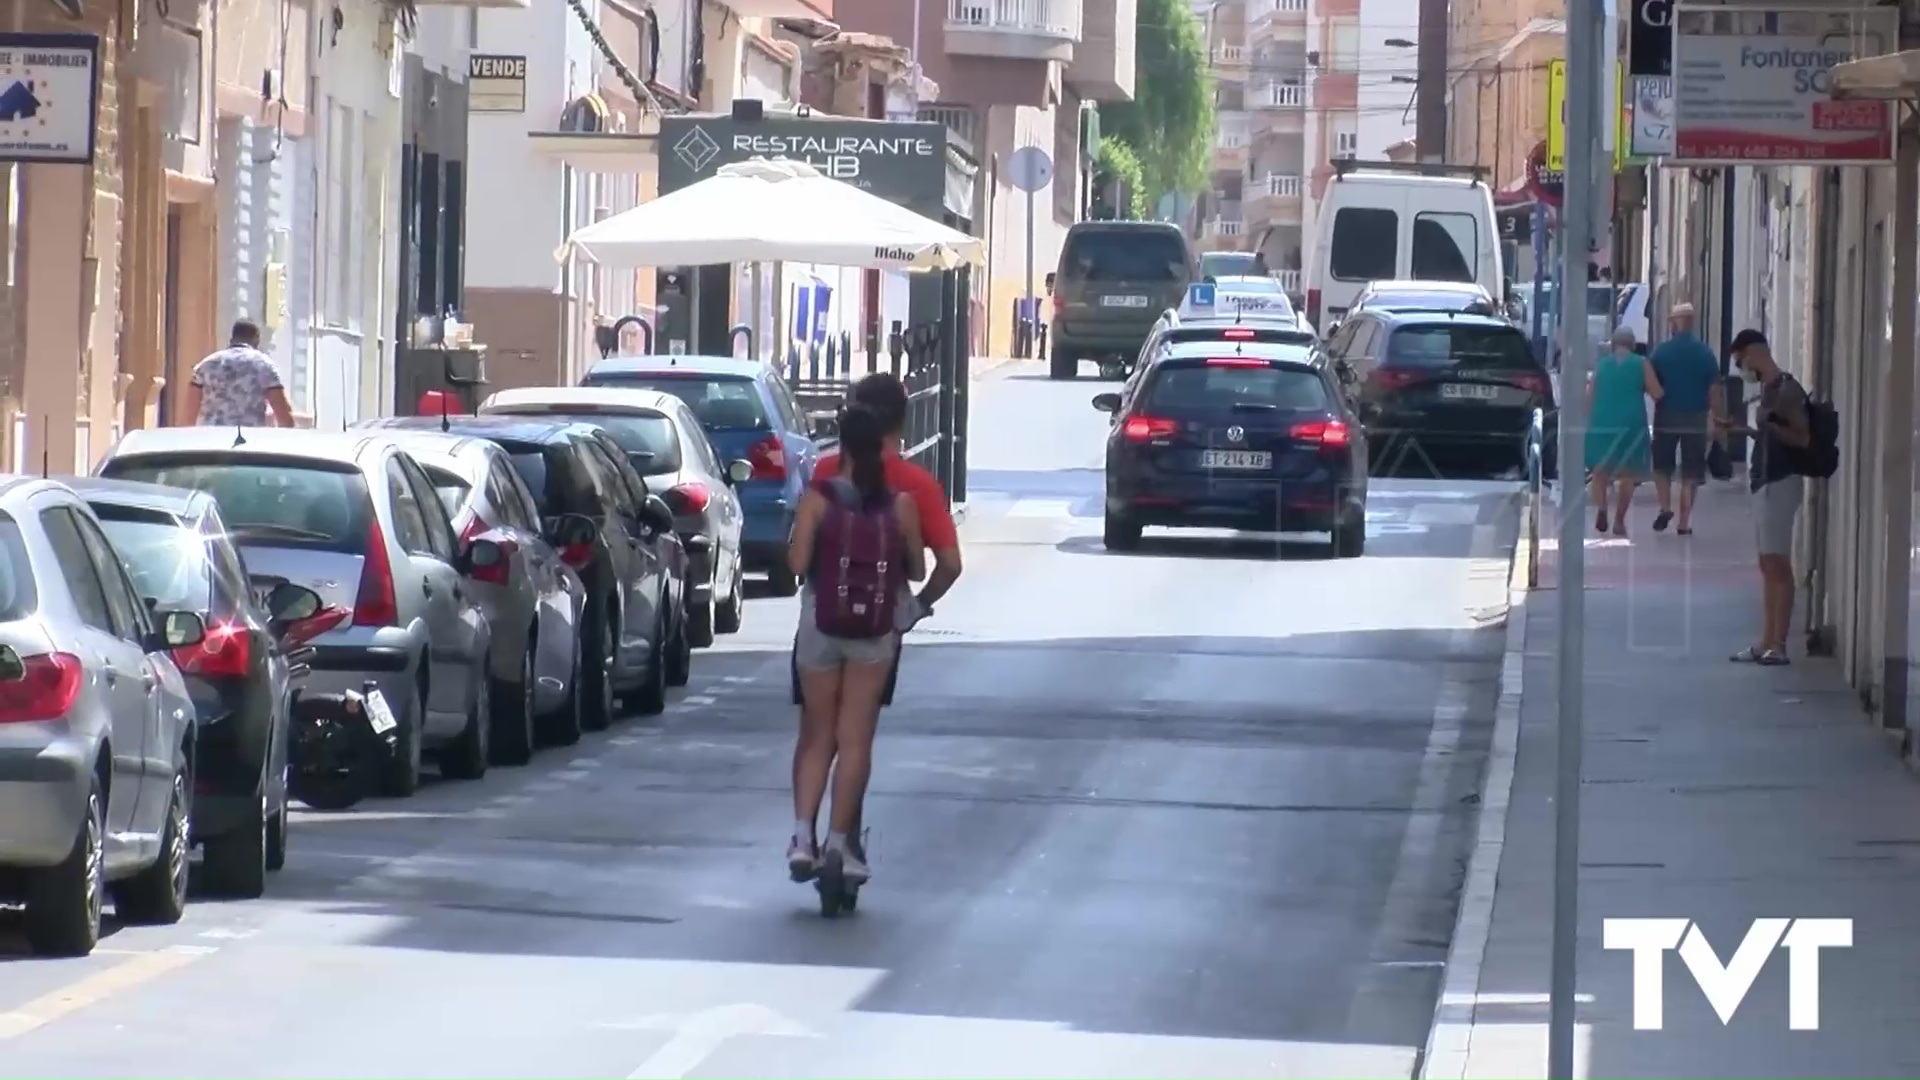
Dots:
pixel 624 740
pixel 570 775
pixel 697 1035
pixel 697 699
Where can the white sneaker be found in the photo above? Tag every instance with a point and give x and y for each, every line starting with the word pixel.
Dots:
pixel 803 862
pixel 853 865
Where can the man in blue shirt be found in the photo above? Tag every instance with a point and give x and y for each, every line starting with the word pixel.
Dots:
pixel 1683 417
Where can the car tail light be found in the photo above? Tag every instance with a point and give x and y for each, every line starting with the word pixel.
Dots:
pixel 768 458
pixel 44 688
pixel 1533 382
pixel 1329 433
pixel 1313 306
pixel 688 498
pixel 301 631
pixel 1237 333
pixel 498 571
pixel 1148 428
pixel 577 555
pixel 375 604
pixel 1237 362
pixel 1389 379
pixel 1059 306
pixel 475 526
pixel 226 652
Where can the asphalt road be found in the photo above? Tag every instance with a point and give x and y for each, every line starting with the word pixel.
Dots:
pixel 1199 811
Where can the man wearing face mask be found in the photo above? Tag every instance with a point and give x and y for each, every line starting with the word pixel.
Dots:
pixel 1780 431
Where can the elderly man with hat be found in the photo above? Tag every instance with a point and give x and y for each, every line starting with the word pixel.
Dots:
pixel 1684 417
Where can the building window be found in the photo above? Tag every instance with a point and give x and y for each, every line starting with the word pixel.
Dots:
pixel 1346 143
pixel 341 299
pixel 1345 47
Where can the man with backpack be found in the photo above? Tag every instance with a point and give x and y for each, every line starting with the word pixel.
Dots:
pixel 1793 438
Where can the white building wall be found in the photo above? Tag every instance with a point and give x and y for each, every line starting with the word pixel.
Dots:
pixel 515 197
pixel 347 192
pixel 265 255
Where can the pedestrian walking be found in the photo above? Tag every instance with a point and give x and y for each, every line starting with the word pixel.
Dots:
pixel 238 386
pixel 1616 443
pixel 1780 430
pixel 1683 418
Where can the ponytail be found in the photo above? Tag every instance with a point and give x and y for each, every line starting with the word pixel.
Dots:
pixel 862 441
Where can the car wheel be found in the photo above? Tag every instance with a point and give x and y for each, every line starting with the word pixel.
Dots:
pixel 513 715
pixel 700 620
pixel 651 699
pixel 1062 363
pixel 680 655
pixel 64 901
pixel 234 863
pixel 1350 536
pixel 157 896
pixel 781 579
pixel 401 773
pixel 1120 533
pixel 728 616
pixel 599 706
pixel 466 757
pixel 561 727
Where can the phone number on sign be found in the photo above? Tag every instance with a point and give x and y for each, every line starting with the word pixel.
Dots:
pixel 1747 152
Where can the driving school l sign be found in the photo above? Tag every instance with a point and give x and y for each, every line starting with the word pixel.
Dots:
pixel 1752 85
pixel 905 163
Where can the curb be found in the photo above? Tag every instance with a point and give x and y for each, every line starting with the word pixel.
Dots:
pixel 1450 1041
pixel 998 362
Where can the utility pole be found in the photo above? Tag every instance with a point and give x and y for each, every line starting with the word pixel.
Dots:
pixel 1585 156
pixel 1430 90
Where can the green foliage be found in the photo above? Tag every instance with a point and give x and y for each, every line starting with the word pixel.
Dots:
pixel 1117 163
pixel 1169 125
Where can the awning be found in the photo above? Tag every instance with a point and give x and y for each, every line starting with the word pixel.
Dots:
pixel 1893 76
pixel 584 142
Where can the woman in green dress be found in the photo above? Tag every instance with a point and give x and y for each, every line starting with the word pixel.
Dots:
pixel 1616 444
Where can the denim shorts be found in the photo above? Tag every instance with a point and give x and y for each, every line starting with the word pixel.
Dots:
pixel 813 648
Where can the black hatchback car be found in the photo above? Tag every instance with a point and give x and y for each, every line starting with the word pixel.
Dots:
pixel 1440 381
pixel 616 535
pixel 1239 435
pixel 176 549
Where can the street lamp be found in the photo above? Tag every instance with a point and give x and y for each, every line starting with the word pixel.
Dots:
pixel 1400 43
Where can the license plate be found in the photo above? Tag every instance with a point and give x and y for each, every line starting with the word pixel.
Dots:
pixel 1236 459
pixel 1469 392
pixel 380 714
pixel 1123 301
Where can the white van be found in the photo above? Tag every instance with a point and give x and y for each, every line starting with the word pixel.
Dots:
pixel 1387 221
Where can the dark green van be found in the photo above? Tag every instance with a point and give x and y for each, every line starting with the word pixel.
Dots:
pixel 1115 280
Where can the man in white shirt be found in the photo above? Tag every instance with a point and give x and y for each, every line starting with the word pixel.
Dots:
pixel 238 386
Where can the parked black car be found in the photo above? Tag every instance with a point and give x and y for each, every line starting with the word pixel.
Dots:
pixel 176 549
pixel 599 515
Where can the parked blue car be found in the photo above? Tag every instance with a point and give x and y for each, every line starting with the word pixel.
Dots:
pixel 750 414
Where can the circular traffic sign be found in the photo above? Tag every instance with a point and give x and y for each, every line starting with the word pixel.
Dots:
pixel 1030 169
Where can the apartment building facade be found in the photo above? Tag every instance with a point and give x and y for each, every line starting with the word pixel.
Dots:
pixel 1013 73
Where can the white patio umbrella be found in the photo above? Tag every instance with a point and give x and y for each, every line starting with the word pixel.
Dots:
pixel 773 211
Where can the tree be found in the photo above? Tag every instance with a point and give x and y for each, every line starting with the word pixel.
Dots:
pixel 1117 170
pixel 1169 125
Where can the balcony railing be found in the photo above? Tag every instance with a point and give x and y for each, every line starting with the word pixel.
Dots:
pixel 1222 226
pixel 1289 280
pixel 1279 96
pixel 1283 186
pixel 1231 138
pixel 1227 55
pixel 1052 18
pixel 1268 11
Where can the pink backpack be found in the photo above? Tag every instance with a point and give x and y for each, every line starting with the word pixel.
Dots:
pixel 859 565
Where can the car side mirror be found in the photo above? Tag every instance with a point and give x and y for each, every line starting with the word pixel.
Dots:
pixel 739 472
pixel 569 530
pixel 290 603
pixel 1107 403
pixel 1050 281
pixel 655 514
pixel 824 427
pixel 480 556
pixel 176 630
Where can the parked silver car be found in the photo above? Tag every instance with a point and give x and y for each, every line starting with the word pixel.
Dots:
pixel 96 728
pixel 534 601
pixel 670 450
pixel 352 517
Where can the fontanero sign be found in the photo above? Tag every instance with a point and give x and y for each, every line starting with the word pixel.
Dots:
pixel 905 163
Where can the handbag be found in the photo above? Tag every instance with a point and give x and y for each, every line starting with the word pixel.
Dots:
pixel 1719 462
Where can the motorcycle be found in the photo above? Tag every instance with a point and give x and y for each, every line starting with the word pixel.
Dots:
pixel 339 740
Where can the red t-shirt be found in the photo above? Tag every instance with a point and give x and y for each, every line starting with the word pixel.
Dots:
pixel 904 477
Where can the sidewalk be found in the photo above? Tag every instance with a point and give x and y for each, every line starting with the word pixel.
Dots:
pixel 1713 791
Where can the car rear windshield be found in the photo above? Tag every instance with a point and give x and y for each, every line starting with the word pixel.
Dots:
pixel 1124 255
pixel 277 501
pixel 449 485
pixel 652 445
pixel 167 559
pixel 1446 246
pixel 1425 301
pixel 1195 386
pixel 1365 244
pixel 720 402
pixel 557 488
pixel 1218 264
pixel 1501 347
pixel 17 596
